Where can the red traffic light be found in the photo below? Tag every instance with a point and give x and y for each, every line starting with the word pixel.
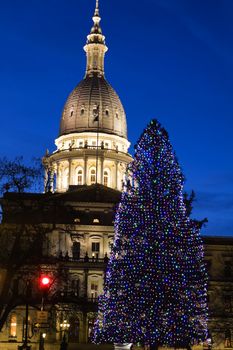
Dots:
pixel 45 281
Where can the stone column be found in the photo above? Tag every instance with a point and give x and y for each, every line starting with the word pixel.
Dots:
pixel 116 174
pixel 85 284
pixel 85 170
pixel 51 179
pixel 46 177
pixel 58 179
pixel 101 170
pixel 105 243
pixel 70 173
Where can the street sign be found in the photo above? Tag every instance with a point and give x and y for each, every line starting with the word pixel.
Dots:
pixel 41 325
pixel 42 316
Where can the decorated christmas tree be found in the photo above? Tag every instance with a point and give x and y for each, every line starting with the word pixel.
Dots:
pixel 156 283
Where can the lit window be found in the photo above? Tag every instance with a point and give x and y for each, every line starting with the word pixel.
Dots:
pixel 80 177
pixel 95 250
pixel 96 221
pixel 106 178
pixel 13 326
pixel 93 176
pixel 95 247
pixel 94 290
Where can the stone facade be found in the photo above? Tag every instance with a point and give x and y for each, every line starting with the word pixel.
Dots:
pixel 76 246
pixel 219 259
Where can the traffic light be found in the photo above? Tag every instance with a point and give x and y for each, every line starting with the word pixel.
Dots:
pixel 45 281
pixel 44 284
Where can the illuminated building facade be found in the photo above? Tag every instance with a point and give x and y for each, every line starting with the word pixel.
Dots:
pixel 84 179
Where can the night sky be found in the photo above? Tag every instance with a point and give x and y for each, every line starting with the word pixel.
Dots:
pixel 167 59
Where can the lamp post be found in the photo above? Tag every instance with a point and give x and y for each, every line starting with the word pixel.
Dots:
pixel 42 338
pixel 25 345
pixel 65 328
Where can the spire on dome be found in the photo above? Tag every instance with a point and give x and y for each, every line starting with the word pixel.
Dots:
pixel 97 8
pixel 96 19
pixel 95 47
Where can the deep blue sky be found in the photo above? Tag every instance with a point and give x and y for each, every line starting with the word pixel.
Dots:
pixel 167 59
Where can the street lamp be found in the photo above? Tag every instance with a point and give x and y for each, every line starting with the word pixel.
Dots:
pixel 65 328
pixel 42 338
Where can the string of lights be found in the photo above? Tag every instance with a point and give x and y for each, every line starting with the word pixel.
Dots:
pixel 155 289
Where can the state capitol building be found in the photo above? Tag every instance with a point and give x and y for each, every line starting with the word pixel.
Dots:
pixel 74 218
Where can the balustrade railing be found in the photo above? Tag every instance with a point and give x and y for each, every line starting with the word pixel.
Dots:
pixel 94 147
pixel 85 259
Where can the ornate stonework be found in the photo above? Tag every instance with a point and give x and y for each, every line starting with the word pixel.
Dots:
pixel 92 146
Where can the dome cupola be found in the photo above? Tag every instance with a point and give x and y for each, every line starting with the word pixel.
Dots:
pixel 79 113
pixel 92 146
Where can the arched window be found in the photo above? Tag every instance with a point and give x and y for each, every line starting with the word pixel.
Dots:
pixel 93 176
pixel 13 326
pixel 79 176
pixel 71 111
pixel 106 178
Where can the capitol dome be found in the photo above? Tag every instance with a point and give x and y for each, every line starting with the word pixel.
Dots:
pixel 94 105
pixel 91 96
pixel 92 146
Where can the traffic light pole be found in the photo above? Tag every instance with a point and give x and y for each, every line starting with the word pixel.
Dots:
pixel 25 341
pixel 26 325
pixel 45 283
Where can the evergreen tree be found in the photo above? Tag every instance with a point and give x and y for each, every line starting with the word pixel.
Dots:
pixel 155 288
